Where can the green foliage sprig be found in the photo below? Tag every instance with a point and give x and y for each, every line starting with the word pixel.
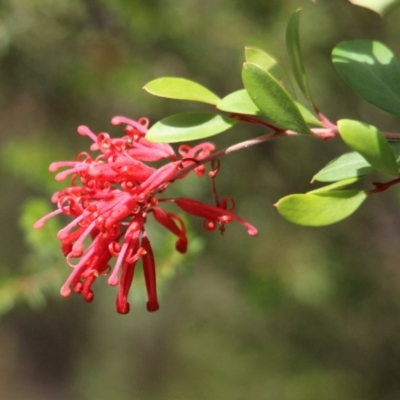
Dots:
pixel 369 67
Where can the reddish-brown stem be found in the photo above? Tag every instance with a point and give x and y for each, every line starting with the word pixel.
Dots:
pixel 330 131
pixel 229 150
pixel 395 137
pixel 215 164
pixel 382 186
pixel 255 121
pixel 325 121
pixel 325 133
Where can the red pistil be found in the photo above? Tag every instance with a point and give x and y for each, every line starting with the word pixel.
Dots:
pixel 211 213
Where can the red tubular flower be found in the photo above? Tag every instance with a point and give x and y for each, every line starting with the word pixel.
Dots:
pixel 109 199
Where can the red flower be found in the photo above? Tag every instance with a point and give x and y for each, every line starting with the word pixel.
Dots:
pixel 109 199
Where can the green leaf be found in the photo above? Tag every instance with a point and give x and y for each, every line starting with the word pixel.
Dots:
pixel 320 209
pixel 188 126
pixel 260 58
pixel 238 102
pixel 268 64
pixel 351 165
pixel 334 186
pixel 294 51
pixel 370 143
pixel 308 116
pixel 181 89
pixel 272 99
pixel 348 165
pixel 379 6
pixel 371 69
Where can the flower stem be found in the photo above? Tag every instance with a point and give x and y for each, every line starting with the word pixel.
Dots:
pixel 231 149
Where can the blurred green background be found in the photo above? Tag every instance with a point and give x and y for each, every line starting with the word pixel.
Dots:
pixel 293 314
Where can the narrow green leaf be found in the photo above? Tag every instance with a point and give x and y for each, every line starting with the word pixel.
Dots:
pixel 370 143
pixel 188 126
pixel 334 186
pixel 294 51
pixel 320 209
pixel 379 6
pixel 181 89
pixel 371 69
pixel 238 102
pixel 351 165
pixel 272 99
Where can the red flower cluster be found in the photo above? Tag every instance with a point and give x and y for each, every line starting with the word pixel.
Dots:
pixel 109 199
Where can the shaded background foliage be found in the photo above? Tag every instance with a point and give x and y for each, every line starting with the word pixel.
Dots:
pixel 296 313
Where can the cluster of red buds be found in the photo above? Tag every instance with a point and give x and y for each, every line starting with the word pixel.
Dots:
pixel 109 199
